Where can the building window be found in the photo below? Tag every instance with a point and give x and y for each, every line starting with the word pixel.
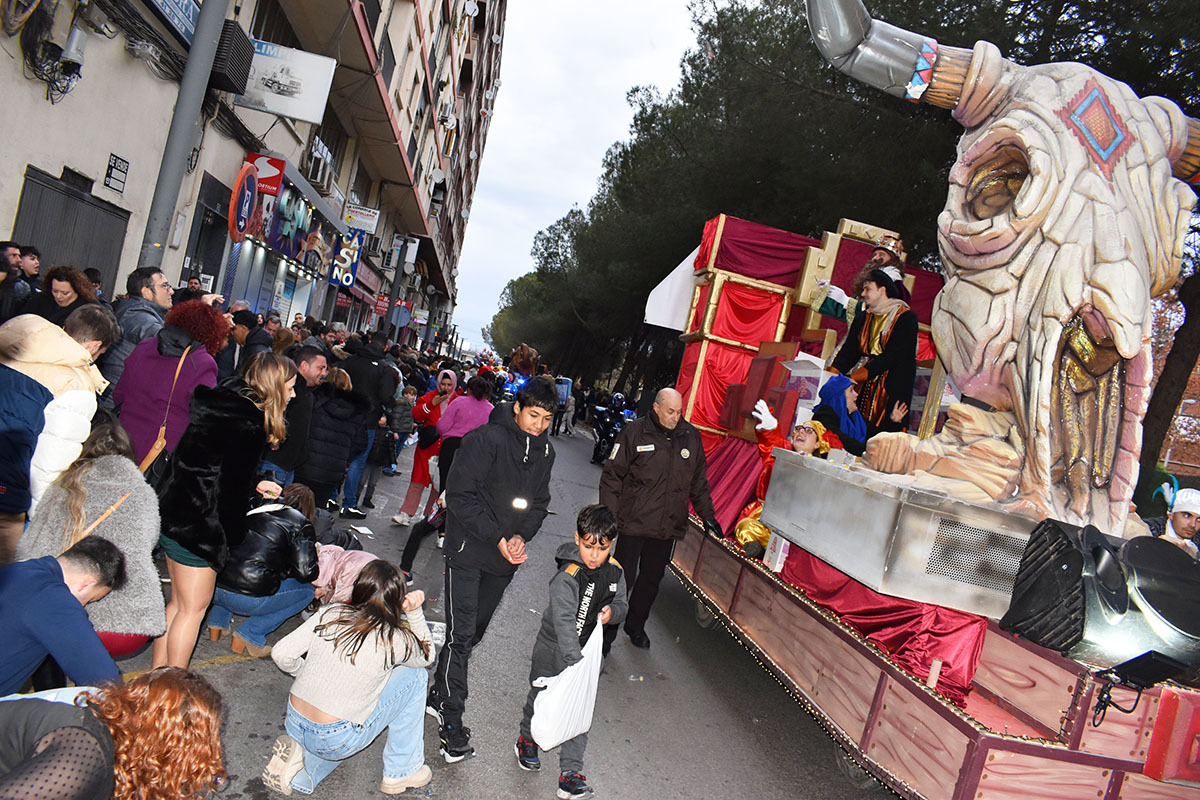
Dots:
pixel 271 25
pixel 371 10
pixel 389 61
pixel 360 192
pixel 330 140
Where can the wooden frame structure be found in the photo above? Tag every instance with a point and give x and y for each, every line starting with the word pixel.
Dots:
pixel 1025 732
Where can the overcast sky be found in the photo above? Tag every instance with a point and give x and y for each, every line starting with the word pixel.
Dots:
pixel 567 66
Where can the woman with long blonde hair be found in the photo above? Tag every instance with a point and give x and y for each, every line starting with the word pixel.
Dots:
pixel 205 492
pixel 360 670
pixel 157 736
pixel 104 494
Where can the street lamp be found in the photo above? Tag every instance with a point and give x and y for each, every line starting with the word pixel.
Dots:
pixel 1182 406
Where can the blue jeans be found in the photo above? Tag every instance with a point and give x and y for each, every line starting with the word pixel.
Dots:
pixel 282 476
pixel 265 613
pixel 354 474
pixel 401 709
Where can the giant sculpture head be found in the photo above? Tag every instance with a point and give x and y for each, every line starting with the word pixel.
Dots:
pixel 1066 214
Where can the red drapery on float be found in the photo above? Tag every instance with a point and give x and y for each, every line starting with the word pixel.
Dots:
pixel 723 365
pixel 754 250
pixel 913 634
pixel 733 468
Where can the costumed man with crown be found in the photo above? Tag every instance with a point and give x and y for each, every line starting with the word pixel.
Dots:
pixel 888 255
pixel 880 351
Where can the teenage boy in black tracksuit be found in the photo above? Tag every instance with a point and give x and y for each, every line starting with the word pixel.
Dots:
pixel 497 495
pixel 588 589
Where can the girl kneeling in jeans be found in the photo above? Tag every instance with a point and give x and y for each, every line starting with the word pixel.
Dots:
pixel 364 671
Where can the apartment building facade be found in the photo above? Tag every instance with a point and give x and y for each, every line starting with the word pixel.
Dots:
pixel 386 169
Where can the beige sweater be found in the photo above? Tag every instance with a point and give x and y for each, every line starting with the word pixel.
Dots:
pixel 329 681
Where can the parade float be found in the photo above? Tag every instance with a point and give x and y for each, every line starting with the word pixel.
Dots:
pixel 969 611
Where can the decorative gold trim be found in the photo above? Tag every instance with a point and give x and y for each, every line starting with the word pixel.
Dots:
pixel 1187 166
pixel 695 381
pixel 949 76
pixel 714 296
pixel 818 266
pixel 695 304
pixel 712 257
pixel 712 337
pixel 865 232
pixel 933 400
pixel 756 283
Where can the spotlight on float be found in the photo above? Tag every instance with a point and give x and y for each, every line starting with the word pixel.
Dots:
pixel 1128 607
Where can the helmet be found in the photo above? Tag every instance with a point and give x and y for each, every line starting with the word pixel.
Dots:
pixel 618 401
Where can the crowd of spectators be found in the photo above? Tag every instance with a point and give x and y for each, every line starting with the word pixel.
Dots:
pixel 224 445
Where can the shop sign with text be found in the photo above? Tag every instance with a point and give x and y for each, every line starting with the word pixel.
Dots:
pixel 345 263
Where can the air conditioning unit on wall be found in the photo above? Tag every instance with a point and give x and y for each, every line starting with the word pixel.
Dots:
pixel 374 245
pixel 319 172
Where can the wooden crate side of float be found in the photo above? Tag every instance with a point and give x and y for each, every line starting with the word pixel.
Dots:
pixel 687 551
pixel 916 743
pixel 1140 787
pixel 1018 677
pixel 836 677
pixel 1020 776
pixel 717 573
pixel 1124 736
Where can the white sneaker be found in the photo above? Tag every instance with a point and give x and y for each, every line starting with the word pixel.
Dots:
pixel 397 785
pixel 402 519
pixel 287 759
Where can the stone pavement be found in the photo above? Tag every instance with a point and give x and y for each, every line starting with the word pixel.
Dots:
pixel 693 717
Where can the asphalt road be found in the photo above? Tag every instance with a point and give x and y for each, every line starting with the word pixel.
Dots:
pixel 692 717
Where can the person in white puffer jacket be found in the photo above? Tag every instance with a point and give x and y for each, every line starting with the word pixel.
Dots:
pixel 62 360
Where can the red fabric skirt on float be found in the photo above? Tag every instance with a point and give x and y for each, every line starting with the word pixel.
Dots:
pixel 912 634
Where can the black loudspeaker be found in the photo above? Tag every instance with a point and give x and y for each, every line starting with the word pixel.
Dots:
pixel 1104 601
pixel 231 64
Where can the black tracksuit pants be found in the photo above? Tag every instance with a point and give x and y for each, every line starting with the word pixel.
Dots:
pixel 644 561
pixel 471 598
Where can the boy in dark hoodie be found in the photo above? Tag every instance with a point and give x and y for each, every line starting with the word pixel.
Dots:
pixel 588 589
pixel 497 494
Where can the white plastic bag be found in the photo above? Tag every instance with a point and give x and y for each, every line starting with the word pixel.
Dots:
pixel 563 709
pixel 435 477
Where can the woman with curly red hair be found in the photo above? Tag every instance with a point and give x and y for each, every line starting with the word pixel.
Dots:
pixel 143 396
pixel 157 736
pixel 64 289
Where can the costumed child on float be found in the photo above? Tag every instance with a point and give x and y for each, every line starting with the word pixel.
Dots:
pixel 807 437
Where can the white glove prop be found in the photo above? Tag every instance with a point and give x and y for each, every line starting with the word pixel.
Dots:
pixel 766 420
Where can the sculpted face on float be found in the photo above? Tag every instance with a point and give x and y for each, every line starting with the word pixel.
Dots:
pixel 1062 221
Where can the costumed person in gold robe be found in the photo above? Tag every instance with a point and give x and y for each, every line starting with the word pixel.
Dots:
pixel 880 353
pixel 810 438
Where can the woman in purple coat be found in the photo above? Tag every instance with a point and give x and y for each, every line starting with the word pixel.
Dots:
pixel 144 390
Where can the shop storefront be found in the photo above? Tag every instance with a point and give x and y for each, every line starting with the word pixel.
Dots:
pixel 289 246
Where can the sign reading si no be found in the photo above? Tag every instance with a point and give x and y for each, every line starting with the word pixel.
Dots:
pixel 345 264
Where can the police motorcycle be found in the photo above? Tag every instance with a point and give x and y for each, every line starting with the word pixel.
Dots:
pixel 607 422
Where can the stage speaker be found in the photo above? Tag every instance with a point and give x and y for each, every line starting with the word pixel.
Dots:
pixel 1103 601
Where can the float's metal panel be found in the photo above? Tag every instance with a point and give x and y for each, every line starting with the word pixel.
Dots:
pixel 898 541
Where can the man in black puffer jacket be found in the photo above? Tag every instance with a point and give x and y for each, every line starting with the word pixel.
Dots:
pixel 335 433
pixel 371 380
pixel 498 493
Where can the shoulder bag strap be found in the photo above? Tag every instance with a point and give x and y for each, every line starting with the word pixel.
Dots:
pixel 161 441
pixel 106 514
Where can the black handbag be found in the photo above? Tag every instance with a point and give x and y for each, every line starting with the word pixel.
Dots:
pixel 427 436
